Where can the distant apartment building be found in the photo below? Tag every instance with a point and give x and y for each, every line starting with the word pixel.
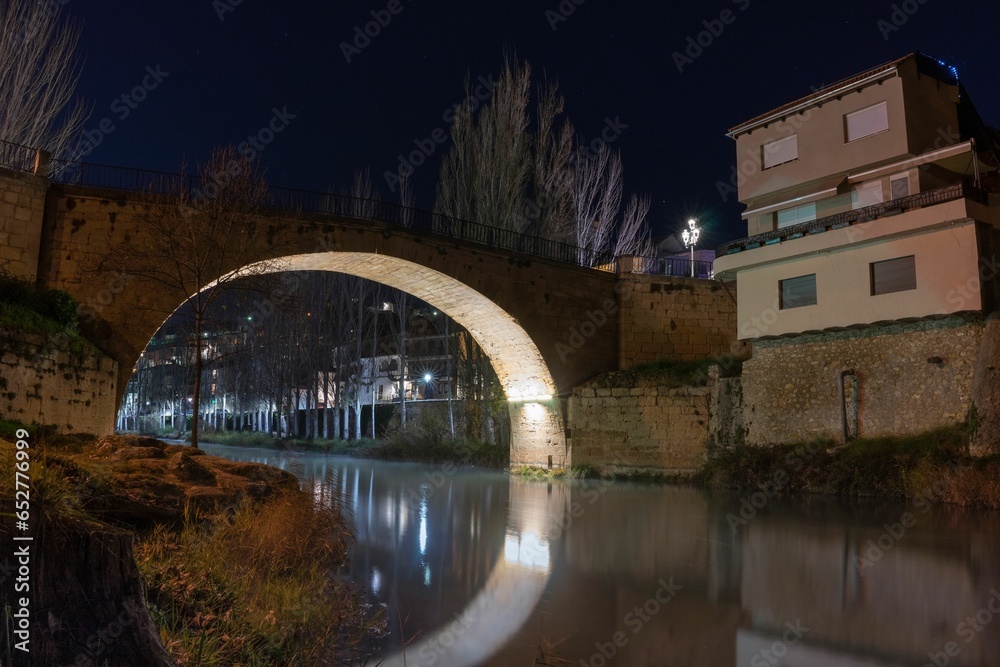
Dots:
pixel 235 393
pixel 870 259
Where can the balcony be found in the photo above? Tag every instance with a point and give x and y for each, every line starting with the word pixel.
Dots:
pixel 963 190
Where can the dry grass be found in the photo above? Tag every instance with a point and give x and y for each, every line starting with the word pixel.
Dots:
pixel 247 586
pixel 254 588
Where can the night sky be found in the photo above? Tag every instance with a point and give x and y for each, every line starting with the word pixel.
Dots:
pixel 615 64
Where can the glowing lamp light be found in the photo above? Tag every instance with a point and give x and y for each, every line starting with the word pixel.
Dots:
pixel 427 377
pixel 690 236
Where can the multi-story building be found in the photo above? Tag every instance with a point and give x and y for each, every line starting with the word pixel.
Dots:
pixel 238 392
pixel 870 257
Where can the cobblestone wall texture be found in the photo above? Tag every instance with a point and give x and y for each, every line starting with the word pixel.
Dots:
pixel 43 382
pixel 911 378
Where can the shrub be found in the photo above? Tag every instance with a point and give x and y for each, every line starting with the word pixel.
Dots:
pixel 55 305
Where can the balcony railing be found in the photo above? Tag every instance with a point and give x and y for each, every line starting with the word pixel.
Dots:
pixel 949 193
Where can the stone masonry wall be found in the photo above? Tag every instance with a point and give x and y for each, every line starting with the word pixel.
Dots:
pixel 663 317
pixel 22 208
pixel 641 426
pixel 42 381
pixel 909 378
pixel 537 435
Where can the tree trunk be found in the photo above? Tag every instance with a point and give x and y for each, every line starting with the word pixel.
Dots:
pixel 198 365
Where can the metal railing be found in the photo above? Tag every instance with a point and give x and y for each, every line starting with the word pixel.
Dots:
pixel 110 177
pixel 672 266
pixel 19 158
pixel 963 190
pixel 326 203
pixel 120 178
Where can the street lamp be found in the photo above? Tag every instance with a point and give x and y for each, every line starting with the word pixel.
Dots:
pixel 690 236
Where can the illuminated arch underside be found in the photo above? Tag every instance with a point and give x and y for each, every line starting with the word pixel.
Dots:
pixel 515 357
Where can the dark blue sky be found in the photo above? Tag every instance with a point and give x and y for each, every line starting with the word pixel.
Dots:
pixel 612 61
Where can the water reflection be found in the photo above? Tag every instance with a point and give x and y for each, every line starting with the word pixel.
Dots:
pixel 481 569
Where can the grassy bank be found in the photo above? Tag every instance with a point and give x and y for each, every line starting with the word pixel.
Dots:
pixel 238 563
pixel 398 446
pixel 932 465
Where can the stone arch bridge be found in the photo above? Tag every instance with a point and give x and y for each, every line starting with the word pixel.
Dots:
pixel 546 323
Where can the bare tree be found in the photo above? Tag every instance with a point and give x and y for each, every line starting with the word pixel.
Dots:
pixel 38 76
pixel 550 209
pixel 484 175
pixel 197 243
pixel 597 194
pixel 603 227
pixel 634 236
pixel 537 180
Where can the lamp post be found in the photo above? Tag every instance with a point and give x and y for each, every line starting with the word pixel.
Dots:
pixel 690 236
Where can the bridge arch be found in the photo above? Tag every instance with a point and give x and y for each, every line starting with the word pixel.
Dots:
pixel 546 324
pixel 537 424
pixel 516 358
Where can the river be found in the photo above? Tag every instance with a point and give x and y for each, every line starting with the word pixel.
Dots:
pixel 479 568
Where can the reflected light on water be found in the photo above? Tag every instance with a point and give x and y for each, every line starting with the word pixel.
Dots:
pixel 423 527
pixel 528 550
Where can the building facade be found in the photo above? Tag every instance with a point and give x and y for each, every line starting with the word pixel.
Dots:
pixel 869 264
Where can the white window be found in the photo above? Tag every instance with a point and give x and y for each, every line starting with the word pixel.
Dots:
pixel 899 186
pixel 866 194
pixel 866 122
pixel 797 292
pixel 780 152
pixel 796 215
pixel 894 275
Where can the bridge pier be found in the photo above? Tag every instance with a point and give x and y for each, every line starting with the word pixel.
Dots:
pixel 538 434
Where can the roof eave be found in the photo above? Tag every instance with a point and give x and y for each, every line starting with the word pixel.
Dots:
pixel 811 101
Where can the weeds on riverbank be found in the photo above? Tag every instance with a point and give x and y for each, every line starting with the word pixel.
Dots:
pixel 254 587
pixel 414 445
pixel 898 467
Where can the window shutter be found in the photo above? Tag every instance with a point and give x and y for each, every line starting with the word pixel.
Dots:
pixel 797 292
pixel 779 152
pixel 866 122
pixel 894 275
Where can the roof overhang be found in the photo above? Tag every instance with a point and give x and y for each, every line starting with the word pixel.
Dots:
pixel 813 100
pixel 916 161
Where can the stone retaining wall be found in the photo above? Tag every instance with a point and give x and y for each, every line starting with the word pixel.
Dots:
pixel 682 319
pixel 43 381
pixel 901 379
pixel 639 427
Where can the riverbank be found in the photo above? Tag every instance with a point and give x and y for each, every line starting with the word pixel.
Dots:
pixel 219 562
pixel 934 466
pixel 418 447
